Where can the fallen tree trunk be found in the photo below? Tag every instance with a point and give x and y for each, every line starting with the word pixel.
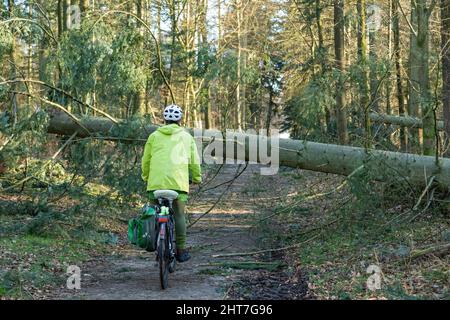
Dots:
pixel 329 158
pixel 403 121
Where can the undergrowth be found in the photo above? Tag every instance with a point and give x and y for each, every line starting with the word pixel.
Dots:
pixel 340 234
pixel 61 202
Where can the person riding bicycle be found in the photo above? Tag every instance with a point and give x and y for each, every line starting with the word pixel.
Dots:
pixel 169 155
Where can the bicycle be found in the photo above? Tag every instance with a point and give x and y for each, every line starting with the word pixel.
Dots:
pixel 165 244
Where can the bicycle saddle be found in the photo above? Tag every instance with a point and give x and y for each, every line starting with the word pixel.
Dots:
pixel 166 194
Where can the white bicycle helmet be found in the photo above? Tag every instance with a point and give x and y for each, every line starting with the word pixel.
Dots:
pixel 173 113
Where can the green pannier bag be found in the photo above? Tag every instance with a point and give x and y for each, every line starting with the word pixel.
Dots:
pixel 142 230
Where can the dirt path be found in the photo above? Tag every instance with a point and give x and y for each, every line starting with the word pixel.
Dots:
pixel 131 274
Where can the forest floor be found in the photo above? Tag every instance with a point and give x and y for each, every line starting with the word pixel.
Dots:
pixel 129 273
pixel 308 238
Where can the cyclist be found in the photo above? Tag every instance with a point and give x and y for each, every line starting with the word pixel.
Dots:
pixel 169 155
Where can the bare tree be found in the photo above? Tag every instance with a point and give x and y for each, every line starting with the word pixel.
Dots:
pixel 398 71
pixel 445 37
pixel 420 104
pixel 362 61
pixel 341 114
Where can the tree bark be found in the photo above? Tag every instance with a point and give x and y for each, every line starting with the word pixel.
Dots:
pixel 318 8
pixel 398 72
pixel 341 114
pixel 59 14
pixel 30 54
pixel 323 54
pixel 219 25
pixel 362 62
pixel 404 121
pixel 420 97
pixel 84 6
pixel 65 15
pixel 269 111
pixel 374 99
pixel 173 31
pixel 13 64
pixel 388 83
pixel 139 100
pixel 238 115
pixel 413 88
pixel 429 132
pixel 336 159
pixel 445 40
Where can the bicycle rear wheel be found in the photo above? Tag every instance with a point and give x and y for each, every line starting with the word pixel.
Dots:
pixel 164 261
pixel 172 262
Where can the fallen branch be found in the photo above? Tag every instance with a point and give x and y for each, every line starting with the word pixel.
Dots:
pixel 244 254
pixel 105 114
pixel 430 200
pixel 403 121
pixel 425 191
pixel 245 265
pixel 439 250
pixel 58 106
pixel 200 189
pixel 315 196
pixel 7 140
pixel 220 197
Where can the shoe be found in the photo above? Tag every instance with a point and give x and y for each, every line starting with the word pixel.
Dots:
pixel 182 255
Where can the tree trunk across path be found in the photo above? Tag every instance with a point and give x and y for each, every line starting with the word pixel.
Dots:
pixel 329 158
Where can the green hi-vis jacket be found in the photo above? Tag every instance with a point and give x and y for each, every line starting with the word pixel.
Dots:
pixel 169 154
